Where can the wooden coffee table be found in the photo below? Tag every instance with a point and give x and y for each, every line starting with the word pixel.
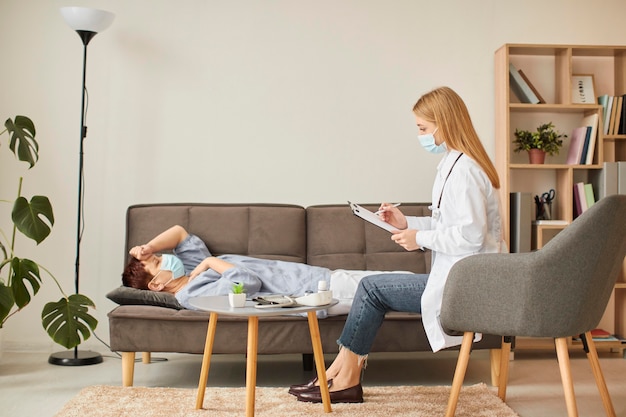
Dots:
pixel 217 305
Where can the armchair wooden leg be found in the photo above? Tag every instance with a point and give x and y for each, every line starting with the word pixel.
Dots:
pixel 566 376
pixel 146 357
pixel 592 355
pixel 495 356
pixel 504 367
pixel 128 368
pixel 459 374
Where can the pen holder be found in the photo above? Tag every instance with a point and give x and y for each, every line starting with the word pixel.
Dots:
pixel 544 210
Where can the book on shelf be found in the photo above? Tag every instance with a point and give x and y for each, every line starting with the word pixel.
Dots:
pixel 577 141
pixel 603 100
pixel 622 125
pixel 607 115
pixel 550 222
pixel 612 116
pixel 520 224
pixel 621 177
pixel 590 140
pixel 618 114
pixel 531 86
pixel 583 153
pixel 584 197
pixel 601 335
pixel 580 201
pixel 521 89
pixel 605 180
pixel 589 196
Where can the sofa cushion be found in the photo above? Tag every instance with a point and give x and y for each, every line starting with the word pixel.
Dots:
pixel 337 239
pixel 131 296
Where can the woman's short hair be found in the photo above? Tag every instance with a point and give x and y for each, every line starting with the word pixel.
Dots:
pixel 135 275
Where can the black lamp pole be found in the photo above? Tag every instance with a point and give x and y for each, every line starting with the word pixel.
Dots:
pixel 76 357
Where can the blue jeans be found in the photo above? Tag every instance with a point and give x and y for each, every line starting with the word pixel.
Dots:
pixel 375 296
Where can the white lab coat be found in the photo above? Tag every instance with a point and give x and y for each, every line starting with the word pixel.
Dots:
pixel 467 222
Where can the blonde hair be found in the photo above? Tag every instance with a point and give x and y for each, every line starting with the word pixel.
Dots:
pixel 446 109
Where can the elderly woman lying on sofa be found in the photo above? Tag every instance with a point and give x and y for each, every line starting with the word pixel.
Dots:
pixel 192 272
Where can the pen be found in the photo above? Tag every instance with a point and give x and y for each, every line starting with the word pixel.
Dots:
pixel 381 210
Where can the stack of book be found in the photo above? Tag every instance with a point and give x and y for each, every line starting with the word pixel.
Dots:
pixel 601 335
pixel 522 87
pixel 583 141
pixel 611 179
pixel 583 198
pixel 614 114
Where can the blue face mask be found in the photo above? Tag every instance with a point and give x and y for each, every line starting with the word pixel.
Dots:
pixel 428 142
pixel 173 264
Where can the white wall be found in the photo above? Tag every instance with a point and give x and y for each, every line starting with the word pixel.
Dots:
pixel 286 101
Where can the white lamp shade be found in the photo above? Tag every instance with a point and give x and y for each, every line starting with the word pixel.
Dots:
pixel 84 18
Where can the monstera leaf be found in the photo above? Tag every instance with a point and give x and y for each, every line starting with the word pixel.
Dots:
pixel 68 319
pixel 24 271
pixel 29 217
pixel 22 141
pixel 6 302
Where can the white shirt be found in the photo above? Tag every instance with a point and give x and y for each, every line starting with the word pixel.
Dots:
pixel 466 223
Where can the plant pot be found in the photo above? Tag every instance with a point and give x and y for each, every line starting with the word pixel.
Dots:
pixel 536 156
pixel 236 300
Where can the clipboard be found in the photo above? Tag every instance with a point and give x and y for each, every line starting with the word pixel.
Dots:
pixel 370 217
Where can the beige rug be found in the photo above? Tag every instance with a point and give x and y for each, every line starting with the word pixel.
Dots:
pixel 402 401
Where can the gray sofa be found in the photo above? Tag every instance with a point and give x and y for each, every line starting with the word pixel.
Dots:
pixel 322 235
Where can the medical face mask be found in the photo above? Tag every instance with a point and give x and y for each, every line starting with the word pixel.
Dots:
pixel 173 264
pixel 428 142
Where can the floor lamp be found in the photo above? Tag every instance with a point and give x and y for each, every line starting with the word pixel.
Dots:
pixel 87 23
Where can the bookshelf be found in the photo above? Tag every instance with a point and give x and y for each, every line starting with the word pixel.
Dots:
pixel 550 69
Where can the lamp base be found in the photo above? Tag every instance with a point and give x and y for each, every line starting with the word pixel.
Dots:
pixel 75 358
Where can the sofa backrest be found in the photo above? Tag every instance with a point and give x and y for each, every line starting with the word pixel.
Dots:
pixel 336 238
pixel 322 235
pixel 271 231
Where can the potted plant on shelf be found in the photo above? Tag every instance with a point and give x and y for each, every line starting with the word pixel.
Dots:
pixel 237 298
pixel 545 140
pixel 66 320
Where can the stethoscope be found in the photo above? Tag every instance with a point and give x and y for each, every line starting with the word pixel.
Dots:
pixel 436 210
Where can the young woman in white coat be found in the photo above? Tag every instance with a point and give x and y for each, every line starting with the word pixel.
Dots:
pixel 465 220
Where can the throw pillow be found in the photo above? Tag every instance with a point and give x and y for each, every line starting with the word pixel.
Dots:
pixel 131 296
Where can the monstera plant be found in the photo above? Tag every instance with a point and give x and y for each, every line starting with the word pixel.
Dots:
pixel 68 319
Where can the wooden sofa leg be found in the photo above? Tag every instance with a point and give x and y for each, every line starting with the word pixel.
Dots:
pixel 128 368
pixel 307 361
pixel 146 357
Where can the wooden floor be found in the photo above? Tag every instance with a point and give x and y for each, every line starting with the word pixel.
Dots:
pixel 29 386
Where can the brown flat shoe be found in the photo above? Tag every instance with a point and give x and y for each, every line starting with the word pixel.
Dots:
pixel 297 389
pixel 349 395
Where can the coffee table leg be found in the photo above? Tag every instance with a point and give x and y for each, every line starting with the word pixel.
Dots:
pixel 206 360
pixel 253 342
pixel 316 341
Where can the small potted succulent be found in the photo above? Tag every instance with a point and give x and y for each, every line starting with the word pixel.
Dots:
pixel 237 298
pixel 545 140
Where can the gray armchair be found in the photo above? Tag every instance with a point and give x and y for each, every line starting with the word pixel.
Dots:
pixel 558 291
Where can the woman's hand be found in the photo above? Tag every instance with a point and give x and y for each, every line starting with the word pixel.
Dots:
pixel 392 215
pixel 212 262
pixel 406 239
pixel 142 252
pixel 202 266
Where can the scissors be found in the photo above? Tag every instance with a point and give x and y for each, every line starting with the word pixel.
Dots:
pixel 548 197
